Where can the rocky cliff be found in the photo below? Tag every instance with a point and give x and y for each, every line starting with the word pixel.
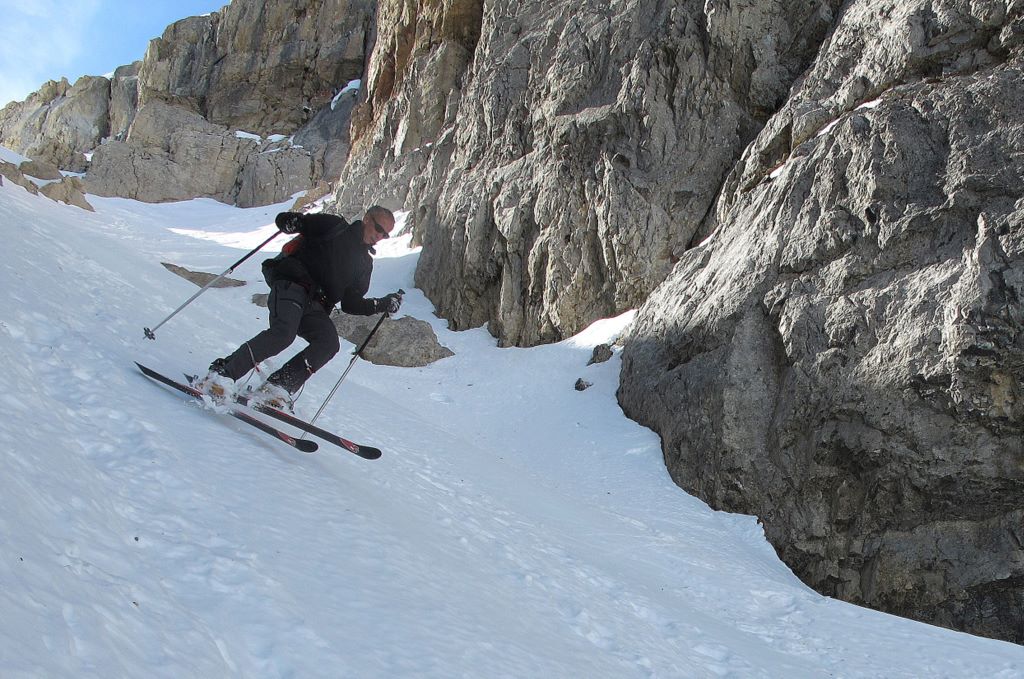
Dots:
pixel 238 105
pixel 559 156
pixel 841 355
pixel 819 206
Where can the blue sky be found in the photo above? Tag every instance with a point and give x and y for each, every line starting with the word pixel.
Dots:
pixel 44 40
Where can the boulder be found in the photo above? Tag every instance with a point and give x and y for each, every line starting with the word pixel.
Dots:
pixel 602 354
pixel 70 190
pixel 404 342
pixel 40 169
pixel 201 278
pixel 13 173
pixel 318 192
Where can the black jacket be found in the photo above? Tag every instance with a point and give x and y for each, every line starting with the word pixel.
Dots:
pixel 332 262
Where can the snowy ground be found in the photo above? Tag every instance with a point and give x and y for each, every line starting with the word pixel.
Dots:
pixel 513 528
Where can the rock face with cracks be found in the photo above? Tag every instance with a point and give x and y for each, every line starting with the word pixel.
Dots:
pixel 842 353
pixel 564 153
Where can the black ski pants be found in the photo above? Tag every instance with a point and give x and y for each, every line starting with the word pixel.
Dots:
pixel 292 313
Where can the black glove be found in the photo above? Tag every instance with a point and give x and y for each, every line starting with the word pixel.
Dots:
pixel 288 222
pixel 389 304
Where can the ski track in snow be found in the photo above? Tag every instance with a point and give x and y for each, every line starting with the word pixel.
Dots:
pixel 513 528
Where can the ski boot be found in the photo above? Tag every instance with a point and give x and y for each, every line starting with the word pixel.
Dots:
pixel 274 396
pixel 216 385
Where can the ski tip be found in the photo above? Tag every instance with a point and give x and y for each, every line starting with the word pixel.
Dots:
pixel 369 452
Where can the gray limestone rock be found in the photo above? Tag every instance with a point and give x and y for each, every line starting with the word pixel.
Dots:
pixel 69 190
pixel 566 152
pixel 14 173
pixel 124 99
pixel 266 68
pixel 326 137
pixel 404 342
pixel 40 169
pixel 201 278
pixel 175 154
pixel 259 66
pixel 602 354
pixel 840 355
pixel 273 173
pixel 420 55
pixel 59 123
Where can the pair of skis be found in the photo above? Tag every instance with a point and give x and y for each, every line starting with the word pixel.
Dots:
pixel 367 452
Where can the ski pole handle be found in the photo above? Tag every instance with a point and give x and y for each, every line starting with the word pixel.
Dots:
pixel 359 351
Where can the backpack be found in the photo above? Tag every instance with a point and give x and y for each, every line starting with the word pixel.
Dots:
pixel 291 247
pixel 269 265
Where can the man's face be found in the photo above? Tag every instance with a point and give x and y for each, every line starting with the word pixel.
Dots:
pixel 375 231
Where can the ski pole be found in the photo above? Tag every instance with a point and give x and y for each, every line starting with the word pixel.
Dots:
pixel 355 354
pixel 151 334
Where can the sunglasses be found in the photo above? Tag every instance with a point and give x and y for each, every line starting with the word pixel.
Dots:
pixel 380 229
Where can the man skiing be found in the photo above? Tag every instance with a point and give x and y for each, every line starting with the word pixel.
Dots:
pixel 328 263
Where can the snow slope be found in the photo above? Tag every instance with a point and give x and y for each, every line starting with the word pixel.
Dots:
pixel 513 528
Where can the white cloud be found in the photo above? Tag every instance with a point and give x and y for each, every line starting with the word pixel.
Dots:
pixel 40 41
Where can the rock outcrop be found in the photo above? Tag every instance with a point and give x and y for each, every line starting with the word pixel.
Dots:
pixel 841 354
pixel 39 177
pixel 834 346
pixel 15 175
pixel 70 191
pixel 420 55
pixel 574 149
pixel 40 169
pixel 259 66
pixel 124 100
pixel 175 154
pixel 59 123
pixel 168 127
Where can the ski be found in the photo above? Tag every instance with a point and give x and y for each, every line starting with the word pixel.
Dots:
pixel 299 444
pixel 366 452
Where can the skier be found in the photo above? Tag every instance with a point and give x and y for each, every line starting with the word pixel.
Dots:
pixel 329 262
